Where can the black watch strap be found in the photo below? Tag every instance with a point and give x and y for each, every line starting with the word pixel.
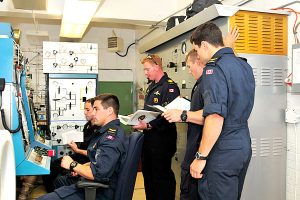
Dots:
pixel 199 156
pixel 73 165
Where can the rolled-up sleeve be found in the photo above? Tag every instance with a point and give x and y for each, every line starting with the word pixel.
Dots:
pixel 107 156
pixel 215 92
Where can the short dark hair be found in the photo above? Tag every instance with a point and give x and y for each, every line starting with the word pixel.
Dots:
pixel 208 32
pixel 109 100
pixel 91 101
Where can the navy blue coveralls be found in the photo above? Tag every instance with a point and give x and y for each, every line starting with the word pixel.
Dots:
pixel 54 179
pixel 106 152
pixel 189 185
pixel 228 89
pixel 159 143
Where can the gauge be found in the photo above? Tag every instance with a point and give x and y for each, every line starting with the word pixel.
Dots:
pixel 183 48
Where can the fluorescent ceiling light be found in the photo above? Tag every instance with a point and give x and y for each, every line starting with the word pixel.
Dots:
pixel 77 16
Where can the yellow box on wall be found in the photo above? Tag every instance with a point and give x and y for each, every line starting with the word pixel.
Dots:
pixel 260 33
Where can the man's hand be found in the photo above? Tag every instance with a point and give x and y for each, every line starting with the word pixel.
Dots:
pixel 141 126
pixel 196 168
pixel 172 115
pixel 231 37
pixel 73 146
pixel 65 162
pixel 74 174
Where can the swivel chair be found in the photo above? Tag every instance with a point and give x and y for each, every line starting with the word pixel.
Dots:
pixel 127 174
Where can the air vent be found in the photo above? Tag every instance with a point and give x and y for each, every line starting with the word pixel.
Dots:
pixel 254 146
pixel 265 147
pixel 115 44
pixel 255 74
pixel 277 146
pixel 278 77
pixel 265 77
pixel 260 33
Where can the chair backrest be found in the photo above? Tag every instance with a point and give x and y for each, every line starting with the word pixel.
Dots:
pixel 127 175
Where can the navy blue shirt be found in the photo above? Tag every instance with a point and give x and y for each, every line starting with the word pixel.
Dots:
pixel 228 88
pixel 107 151
pixel 194 132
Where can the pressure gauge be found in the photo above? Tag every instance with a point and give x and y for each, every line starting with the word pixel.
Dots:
pixel 183 48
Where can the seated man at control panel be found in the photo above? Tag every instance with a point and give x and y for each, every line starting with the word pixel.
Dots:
pixel 80 151
pixel 106 152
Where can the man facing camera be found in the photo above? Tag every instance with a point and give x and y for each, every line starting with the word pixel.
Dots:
pixel 159 135
pixel 106 152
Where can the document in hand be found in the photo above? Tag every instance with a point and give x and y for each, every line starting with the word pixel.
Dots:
pixel 73 135
pixel 178 103
pixel 144 115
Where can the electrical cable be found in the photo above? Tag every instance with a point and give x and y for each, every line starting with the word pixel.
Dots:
pixel 5 125
pixel 295 32
pixel 126 50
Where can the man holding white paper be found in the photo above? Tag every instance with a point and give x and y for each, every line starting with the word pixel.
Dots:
pixel 53 180
pixel 106 152
pixel 193 116
pixel 160 135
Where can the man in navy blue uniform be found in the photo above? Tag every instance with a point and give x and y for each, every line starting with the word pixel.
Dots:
pixel 55 179
pixel 188 184
pixel 160 135
pixel 227 90
pixel 106 152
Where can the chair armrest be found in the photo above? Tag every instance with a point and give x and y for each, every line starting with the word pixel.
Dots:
pixel 91 184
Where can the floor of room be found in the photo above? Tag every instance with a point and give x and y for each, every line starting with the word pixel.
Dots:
pixel 138 194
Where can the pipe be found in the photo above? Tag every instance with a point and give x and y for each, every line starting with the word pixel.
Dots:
pixel 154 26
pixel 288 4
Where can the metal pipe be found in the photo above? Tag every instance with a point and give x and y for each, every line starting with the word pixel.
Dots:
pixel 171 15
pixel 288 4
pixel 154 26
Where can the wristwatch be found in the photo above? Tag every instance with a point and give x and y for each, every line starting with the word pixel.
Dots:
pixel 183 116
pixel 199 156
pixel 148 126
pixel 73 165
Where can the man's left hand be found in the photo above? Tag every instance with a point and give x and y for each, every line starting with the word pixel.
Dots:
pixel 141 126
pixel 196 168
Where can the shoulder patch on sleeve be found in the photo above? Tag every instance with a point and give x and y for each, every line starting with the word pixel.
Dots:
pixel 111 134
pixel 110 137
pixel 209 71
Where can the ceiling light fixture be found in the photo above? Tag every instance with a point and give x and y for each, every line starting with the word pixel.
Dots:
pixel 77 16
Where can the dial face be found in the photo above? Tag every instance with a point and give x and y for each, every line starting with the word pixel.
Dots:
pixel 183 48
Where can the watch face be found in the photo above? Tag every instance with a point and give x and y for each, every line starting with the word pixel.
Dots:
pixel 73 164
pixel 199 156
pixel 183 116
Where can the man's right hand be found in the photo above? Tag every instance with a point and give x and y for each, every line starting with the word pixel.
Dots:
pixel 231 37
pixel 73 146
